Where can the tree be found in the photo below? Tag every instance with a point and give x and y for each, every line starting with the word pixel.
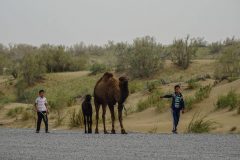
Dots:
pixel 142 58
pixel 215 47
pixel 32 68
pixel 183 51
pixel 229 62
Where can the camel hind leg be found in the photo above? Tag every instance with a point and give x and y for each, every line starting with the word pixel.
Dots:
pixel 111 107
pixel 104 108
pixel 97 107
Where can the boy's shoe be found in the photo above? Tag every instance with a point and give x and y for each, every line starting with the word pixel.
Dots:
pixel 174 131
pixel 47 132
pixel 37 131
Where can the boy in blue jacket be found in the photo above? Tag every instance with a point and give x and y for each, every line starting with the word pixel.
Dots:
pixel 177 106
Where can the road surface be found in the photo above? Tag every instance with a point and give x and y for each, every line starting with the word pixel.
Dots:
pixel 58 145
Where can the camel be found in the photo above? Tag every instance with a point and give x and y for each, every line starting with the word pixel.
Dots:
pixel 107 92
pixel 87 113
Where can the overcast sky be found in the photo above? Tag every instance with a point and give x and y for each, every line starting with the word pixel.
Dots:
pixel 97 21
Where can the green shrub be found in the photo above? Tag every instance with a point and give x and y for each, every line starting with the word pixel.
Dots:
pixel 152 101
pixel 203 93
pixel 26 115
pixel 192 84
pixel 143 58
pixel 199 124
pixel 76 119
pixel 98 68
pixel 230 101
pixel 14 112
pixel 135 86
pixel 189 102
pixel 228 64
pixel 160 106
pixel 152 85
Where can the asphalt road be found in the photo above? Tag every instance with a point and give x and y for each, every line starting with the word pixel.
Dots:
pixel 25 144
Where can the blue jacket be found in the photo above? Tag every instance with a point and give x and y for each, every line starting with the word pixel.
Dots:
pixel 177 101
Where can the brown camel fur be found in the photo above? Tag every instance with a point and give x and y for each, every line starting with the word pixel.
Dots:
pixel 107 92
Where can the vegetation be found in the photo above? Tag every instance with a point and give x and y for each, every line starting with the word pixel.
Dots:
pixel 189 102
pixel 228 64
pixel 199 124
pixel 97 68
pixel 230 101
pixel 142 58
pixel 152 85
pixel 192 84
pixel 14 112
pixel 30 68
pixel 28 114
pixel 76 118
pixel 152 101
pixel 135 86
pixel 183 50
pixel 203 93
pixel 215 47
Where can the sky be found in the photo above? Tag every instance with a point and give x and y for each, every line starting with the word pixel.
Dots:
pixel 69 22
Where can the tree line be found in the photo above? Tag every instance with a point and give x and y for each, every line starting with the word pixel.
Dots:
pixel 142 58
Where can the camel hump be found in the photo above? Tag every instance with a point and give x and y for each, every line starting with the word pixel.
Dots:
pixel 107 75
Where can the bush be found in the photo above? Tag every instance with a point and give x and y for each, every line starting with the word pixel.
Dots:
pixel 152 101
pixel 203 93
pixel 98 68
pixel 183 50
pixel 32 68
pixel 27 114
pixel 228 64
pixel 152 85
pixel 189 102
pixel 14 112
pixel 215 47
pixel 135 86
pixel 199 124
pixel 230 101
pixel 192 84
pixel 76 119
pixel 142 59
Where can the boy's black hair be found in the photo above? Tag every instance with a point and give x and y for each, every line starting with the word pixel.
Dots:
pixel 41 91
pixel 177 86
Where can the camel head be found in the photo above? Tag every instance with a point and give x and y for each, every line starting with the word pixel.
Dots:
pixel 123 84
pixel 88 98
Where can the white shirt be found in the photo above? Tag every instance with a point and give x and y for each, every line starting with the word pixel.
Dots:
pixel 41 103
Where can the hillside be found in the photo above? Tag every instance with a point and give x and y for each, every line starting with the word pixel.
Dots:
pixel 76 84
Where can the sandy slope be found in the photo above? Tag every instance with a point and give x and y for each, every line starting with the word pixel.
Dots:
pixel 149 120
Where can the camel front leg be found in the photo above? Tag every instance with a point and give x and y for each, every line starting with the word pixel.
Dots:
pixel 113 118
pixel 120 108
pixel 104 108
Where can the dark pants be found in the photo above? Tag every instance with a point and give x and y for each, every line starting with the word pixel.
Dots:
pixel 176 116
pixel 42 116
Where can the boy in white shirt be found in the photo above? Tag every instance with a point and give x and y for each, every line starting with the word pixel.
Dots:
pixel 41 107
